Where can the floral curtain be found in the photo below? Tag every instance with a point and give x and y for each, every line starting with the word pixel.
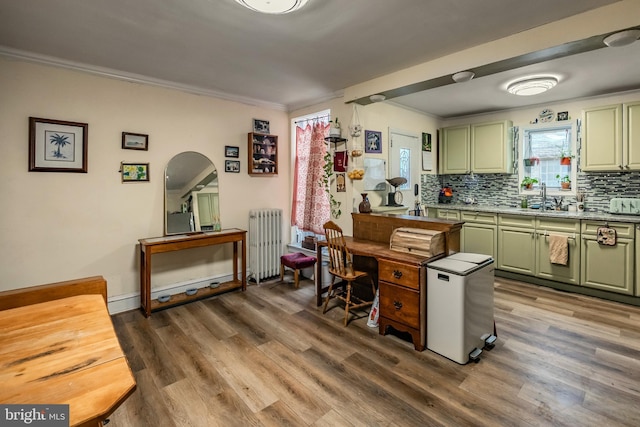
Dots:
pixel 310 208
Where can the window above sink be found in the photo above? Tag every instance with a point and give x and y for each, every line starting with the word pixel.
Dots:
pixel 546 156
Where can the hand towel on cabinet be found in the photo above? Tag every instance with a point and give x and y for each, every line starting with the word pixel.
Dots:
pixel 558 249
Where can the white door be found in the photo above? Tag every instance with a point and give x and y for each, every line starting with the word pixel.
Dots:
pixel 404 160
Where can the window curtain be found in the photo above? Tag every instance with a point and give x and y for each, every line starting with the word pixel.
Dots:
pixel 311 207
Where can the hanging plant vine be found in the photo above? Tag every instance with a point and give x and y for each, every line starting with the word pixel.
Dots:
pixel 326 184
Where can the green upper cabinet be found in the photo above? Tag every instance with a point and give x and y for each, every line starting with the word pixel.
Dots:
pixel 480 148
pixel 632 135
pixel 455 150
pixel 491 150
pixel 611 138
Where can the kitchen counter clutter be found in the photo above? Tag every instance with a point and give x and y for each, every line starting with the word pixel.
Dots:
pixel 600 251
pixel 595 216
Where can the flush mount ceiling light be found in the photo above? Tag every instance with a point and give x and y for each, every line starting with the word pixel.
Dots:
pixel 622 38
pixel 533 86
pixel 378 97
pixel 463 76
pixel 273 6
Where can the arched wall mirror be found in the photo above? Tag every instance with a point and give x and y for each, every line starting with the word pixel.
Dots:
pixel 191 197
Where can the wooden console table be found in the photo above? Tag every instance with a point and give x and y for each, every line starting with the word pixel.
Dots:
pixel 179 242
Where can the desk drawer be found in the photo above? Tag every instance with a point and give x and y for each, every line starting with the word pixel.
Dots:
pixel 400 274
pixel 400 304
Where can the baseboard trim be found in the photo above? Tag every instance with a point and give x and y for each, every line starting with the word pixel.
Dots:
pixel 128 302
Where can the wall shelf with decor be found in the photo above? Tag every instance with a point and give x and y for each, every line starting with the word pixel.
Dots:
pixel 263 154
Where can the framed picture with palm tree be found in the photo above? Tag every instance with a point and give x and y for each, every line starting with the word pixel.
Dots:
pixel 57 146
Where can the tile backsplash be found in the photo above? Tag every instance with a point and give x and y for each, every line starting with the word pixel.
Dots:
pixel 503 189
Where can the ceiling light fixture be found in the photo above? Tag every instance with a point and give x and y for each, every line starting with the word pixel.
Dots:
pixel 533 86
pixel 463 76
pixel 277 7
pixel 622 38
pixel 378 97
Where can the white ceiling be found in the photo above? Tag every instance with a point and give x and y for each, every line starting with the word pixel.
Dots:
pixel 298 59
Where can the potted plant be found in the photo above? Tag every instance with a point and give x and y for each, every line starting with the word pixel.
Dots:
pixel 565 182
pixel 565 157
pixel 532 161
pixel 528 182
pixel 334 129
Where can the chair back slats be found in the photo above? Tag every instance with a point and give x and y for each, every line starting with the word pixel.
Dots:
pixel 339 255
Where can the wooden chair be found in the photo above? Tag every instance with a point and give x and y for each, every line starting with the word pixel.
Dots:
pixel 341 267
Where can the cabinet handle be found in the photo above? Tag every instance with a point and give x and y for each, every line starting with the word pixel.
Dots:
pixel 397 274
pixel 397 305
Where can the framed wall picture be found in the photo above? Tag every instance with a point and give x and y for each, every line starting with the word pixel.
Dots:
pixel 261 126
pixel 134 172
pixel 57 146
pixel 372 141
pixel 230 151
pixel 232 166
pixel 426 141
pixel 135 141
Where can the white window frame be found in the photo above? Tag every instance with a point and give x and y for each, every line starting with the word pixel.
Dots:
pixel 523 154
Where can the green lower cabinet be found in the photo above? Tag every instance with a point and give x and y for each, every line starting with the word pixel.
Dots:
pixel 637 265
pixel 516 250
pixel 479 239
pixel 443 213
pixel 610 268
pixel 547 227
pixel 569 273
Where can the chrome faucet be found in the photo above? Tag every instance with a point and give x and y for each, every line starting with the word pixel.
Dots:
pixel 543 193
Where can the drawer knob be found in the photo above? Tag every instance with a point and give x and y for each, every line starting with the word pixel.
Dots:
pixel 397 274
pixel 397 305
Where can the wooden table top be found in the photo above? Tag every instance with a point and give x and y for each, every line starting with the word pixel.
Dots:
pixel 380 251
pixel 64 352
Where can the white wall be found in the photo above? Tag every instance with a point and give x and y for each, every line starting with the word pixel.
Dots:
pixel 61 226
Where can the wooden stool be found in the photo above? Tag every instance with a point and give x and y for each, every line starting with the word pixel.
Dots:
pixel 295 261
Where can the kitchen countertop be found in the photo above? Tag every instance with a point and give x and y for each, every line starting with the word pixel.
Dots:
pixel 593 216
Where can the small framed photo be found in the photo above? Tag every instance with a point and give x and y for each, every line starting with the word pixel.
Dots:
pixel 563 115
pixel 57 146
pixel 426 141
pixel 372 141
pixel 261 126
pixel 232 166
pixel 135 141
pixel 230 151
pixel 134 172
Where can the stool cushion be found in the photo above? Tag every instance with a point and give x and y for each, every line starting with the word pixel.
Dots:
pixel 297 260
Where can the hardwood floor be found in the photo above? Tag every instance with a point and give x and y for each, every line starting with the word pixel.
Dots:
pixel 268 356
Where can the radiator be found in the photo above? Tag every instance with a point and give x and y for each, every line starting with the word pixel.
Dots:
pixel 265 243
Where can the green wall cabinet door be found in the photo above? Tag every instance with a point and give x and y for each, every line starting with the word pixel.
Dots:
pixel 602 139
pixel 610 268
pixel 632 136
pixel 481 148
pixel 491 149
pixel 454 150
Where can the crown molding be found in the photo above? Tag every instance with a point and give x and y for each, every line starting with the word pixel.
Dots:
pixel 133 78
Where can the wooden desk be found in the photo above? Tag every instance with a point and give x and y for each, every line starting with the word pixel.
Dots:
pixel 64 351
pixel 402 277
pixel 179 242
